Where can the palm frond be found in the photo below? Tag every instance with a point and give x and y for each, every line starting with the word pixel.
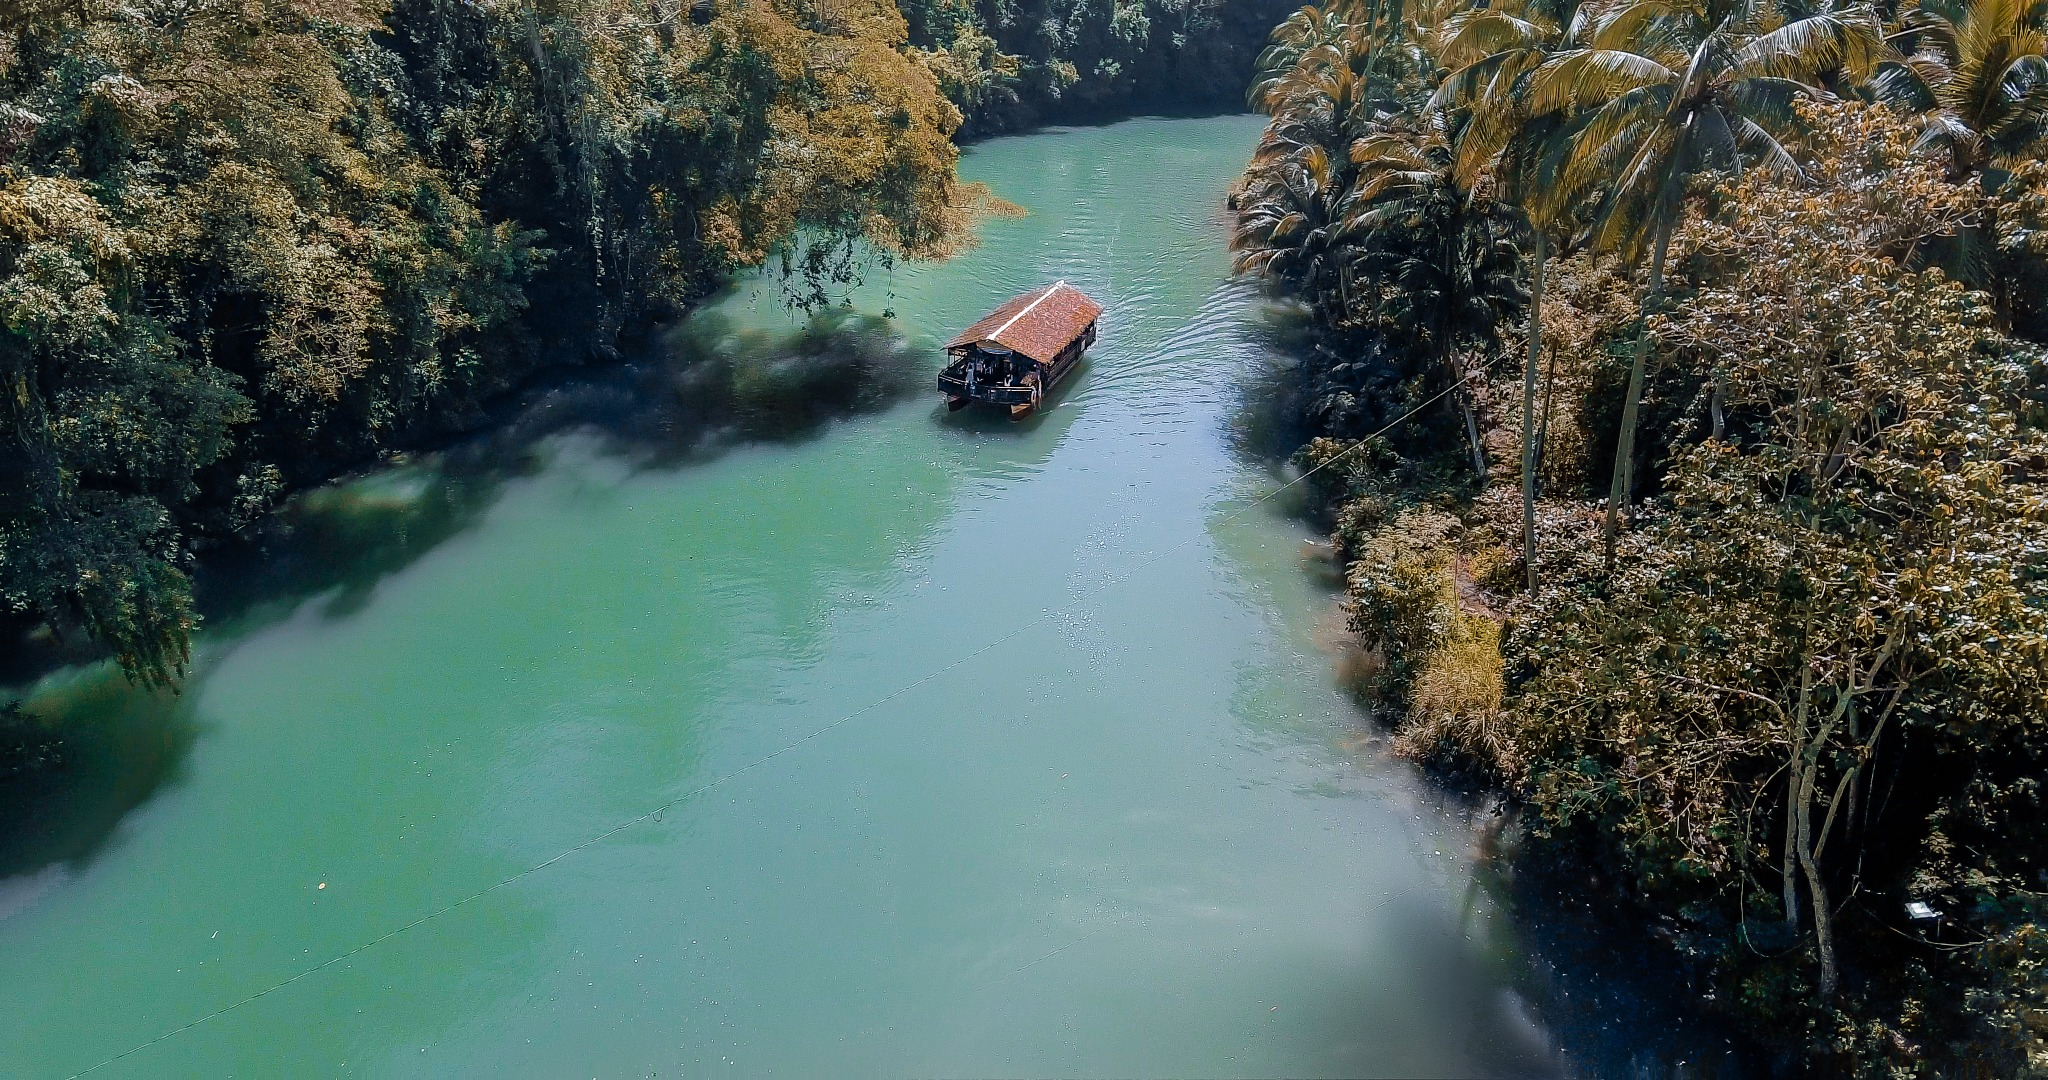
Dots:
pixel 1624 24
pixel 1764 148
pixel 1821 43
pixel 1638 189
pixel 1713 141
pixel 1770 99
pixel 1479 32
pixel 1587 77
pixel 1603 135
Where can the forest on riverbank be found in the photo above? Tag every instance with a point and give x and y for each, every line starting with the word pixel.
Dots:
pixel 1010 65
pixel 247 244
pixel 1677 399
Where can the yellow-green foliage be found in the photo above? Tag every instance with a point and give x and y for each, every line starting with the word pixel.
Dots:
pixel 1806 686
pixel 1455 702
pixel 1847 585
pixel 1589 314
pixel 972 69
pixel 1011 63
pixel 1438 657
pixel 1402 597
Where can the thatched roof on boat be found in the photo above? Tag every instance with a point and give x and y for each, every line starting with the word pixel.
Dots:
pixel 1037 324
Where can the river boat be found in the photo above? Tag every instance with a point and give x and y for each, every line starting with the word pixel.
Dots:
pixel 1015 355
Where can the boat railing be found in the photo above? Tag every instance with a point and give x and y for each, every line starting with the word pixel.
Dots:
pixel 996 392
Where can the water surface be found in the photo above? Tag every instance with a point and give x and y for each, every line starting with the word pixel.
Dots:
pixel 1139 831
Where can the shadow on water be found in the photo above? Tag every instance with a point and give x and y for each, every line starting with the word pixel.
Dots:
pixel 82 747
pixel 1616 1000
pixel 1551 975
pixel 708 386
pixel 93 748
pixel 1561 982
pixel 1266 425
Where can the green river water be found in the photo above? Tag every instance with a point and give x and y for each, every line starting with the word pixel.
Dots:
pixel 1142 833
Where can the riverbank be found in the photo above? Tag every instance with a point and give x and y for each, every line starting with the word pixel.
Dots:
pixel 1777 695
pixel 686 392
pixel 1011 67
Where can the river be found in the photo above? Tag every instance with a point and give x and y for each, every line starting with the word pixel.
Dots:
pixel 981 748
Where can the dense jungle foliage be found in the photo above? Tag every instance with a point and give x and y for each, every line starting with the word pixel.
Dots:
pixel 1756 634
pixel 1010 64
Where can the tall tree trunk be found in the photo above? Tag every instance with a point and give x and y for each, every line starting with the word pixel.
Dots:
pixel 1817 890
pixel 1529 415
pixel 1460 379
pixel 1806 754
pixel 1789 863
pixel 1625 445
pixel 1472 434
pixel 1467 412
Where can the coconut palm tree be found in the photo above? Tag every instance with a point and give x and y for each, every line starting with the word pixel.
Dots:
pixel 1976 75
pixel 1442 245
pixel 1661 93
pixel 1306 31
pixel 1317 104
pixel 1378 40
pixel 1294 225
pixel 1493 52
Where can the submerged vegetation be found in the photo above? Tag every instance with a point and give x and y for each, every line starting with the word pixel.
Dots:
pixel 1758 630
